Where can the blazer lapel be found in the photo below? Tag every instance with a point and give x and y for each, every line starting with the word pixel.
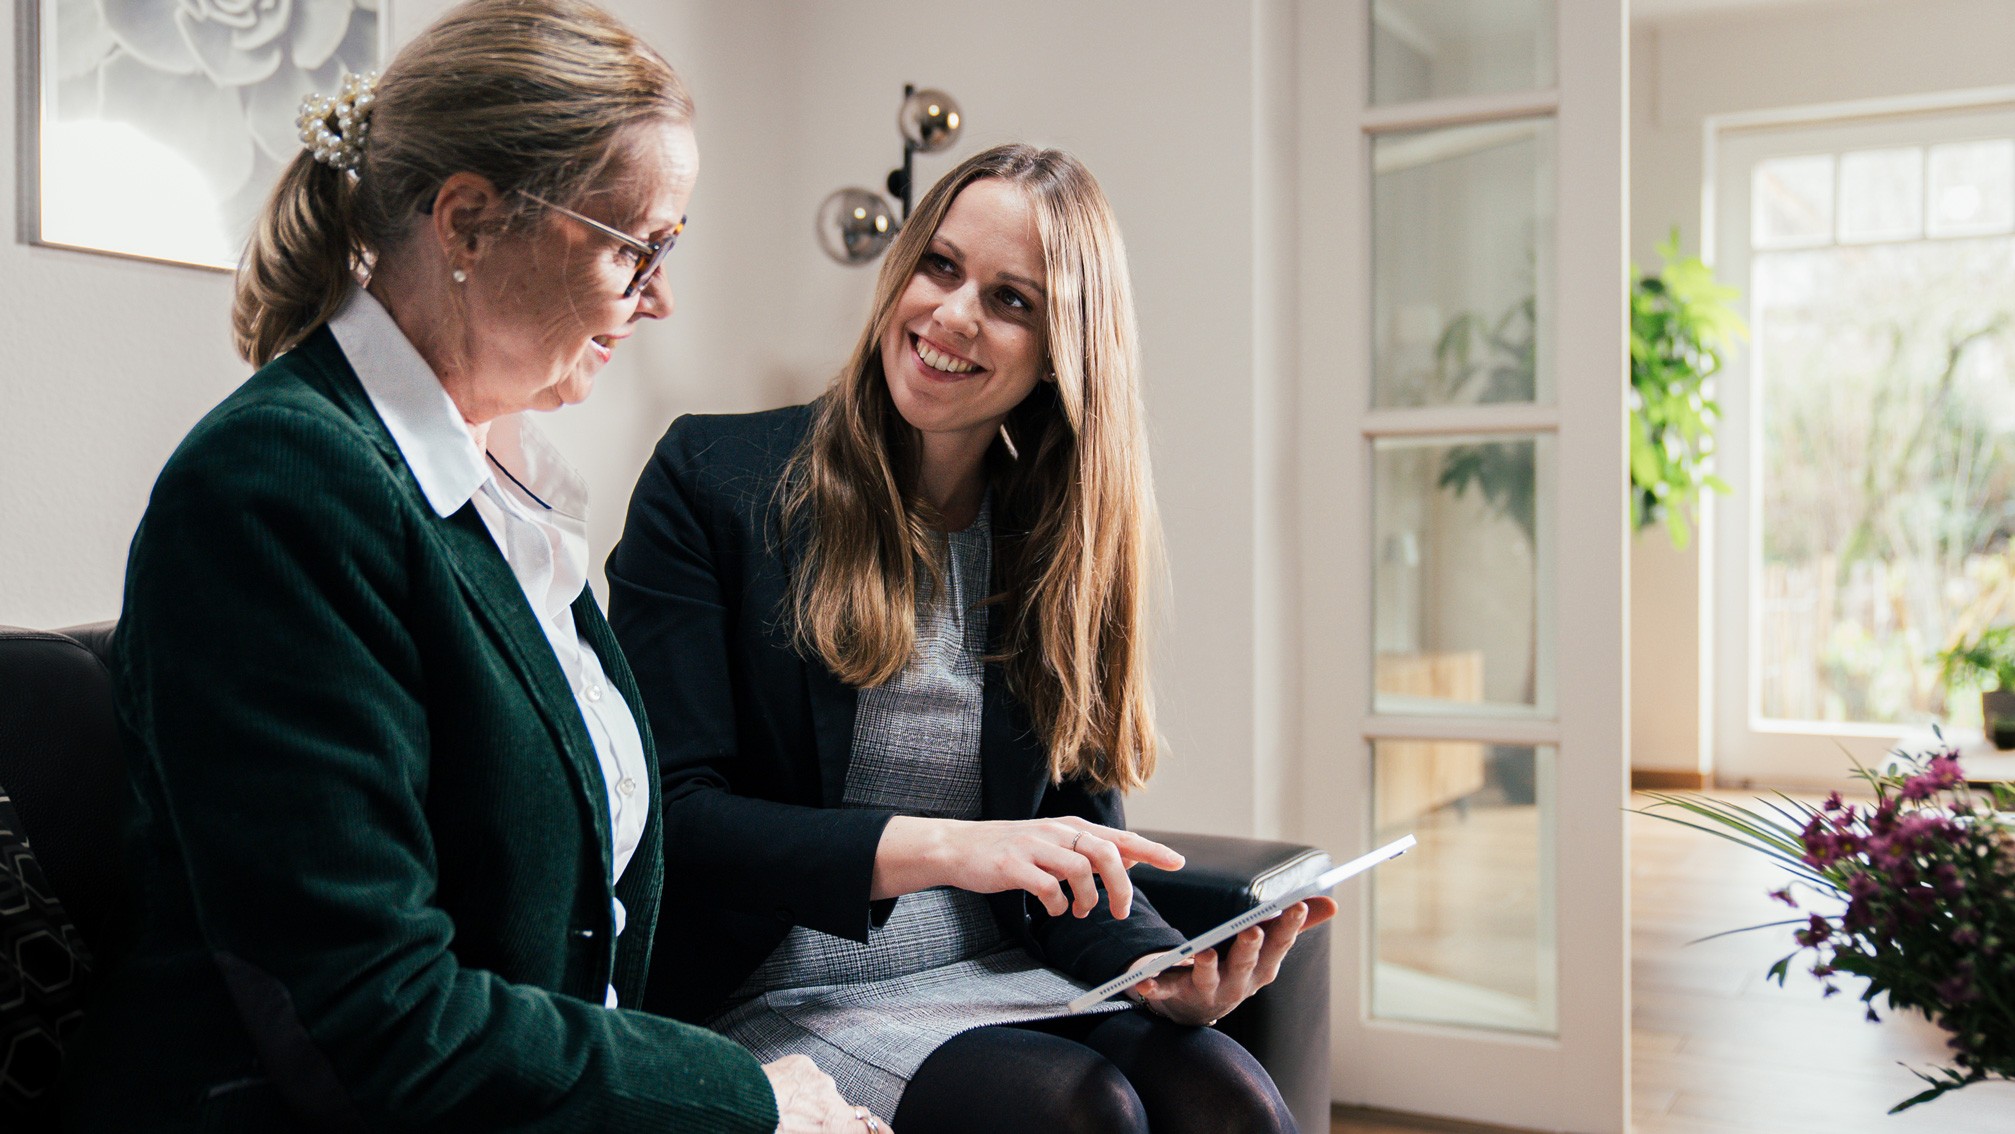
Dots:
pixel 1014 764
pixel 492 589
pixel 641 887
pixel 495 594
pixel 833 706
pixel 832 702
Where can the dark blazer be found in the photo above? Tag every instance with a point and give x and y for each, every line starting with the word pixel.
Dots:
pixel 754 740
pixel 374 843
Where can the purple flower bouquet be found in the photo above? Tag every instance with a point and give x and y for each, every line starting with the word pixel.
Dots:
pixel 1913 893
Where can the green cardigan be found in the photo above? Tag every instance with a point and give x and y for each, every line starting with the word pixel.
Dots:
pixel 373 836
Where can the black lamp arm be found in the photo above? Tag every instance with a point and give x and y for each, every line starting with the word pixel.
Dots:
pixel 901 180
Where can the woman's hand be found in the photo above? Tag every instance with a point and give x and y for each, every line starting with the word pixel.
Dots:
pixel 1202 990
pixel 1036 855
pixel 809 1103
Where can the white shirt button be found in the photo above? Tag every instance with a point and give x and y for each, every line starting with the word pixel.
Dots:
pixel 595 691
pixel 628 787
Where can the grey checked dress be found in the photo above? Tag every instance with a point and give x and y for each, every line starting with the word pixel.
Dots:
pixel 869 1014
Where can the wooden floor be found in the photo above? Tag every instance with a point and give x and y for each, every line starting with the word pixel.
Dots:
pixel 1718 1050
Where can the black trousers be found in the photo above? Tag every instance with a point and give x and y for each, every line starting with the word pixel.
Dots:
pixel 1125 1073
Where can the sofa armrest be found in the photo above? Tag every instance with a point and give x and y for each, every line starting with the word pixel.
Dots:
pixel 1286 1024
pixel 62 762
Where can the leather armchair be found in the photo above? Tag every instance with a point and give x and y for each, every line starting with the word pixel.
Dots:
pixel 60 760
pixel 1286 1024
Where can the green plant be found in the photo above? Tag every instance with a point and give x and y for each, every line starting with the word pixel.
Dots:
pixel 1680 320
pixel 1983 662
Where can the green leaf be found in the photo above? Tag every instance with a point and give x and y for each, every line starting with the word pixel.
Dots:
pixel 1952 1081
pixel 1779 970
pixel 1676 529
pixel 1752 929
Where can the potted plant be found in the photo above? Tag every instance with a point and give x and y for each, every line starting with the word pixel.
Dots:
pixel 1986 662
pixel 1913 893
pixel 1680 320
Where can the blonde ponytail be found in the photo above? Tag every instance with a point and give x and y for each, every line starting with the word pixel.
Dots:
pixel 298 264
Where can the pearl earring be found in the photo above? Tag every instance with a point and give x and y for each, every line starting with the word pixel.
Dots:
pixel 459 276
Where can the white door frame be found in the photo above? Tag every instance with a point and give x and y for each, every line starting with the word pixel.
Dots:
pixel 1579 1079
pixel 1748 749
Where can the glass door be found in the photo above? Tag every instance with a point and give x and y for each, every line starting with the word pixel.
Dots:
pixel 1464 368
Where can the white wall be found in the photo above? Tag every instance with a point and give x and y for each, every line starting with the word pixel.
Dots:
pixel 1685 69
pixel 110 362
pixel 104 363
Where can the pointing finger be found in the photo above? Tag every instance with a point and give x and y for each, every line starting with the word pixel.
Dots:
pixel 1134 848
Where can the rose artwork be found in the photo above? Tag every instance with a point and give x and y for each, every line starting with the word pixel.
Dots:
pixel 1912 892
pixel 216 83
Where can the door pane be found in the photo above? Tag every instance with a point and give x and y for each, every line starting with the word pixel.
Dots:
pixel 1462 927
pixel 1424 49
pixel 1462 224
pixel 1457 582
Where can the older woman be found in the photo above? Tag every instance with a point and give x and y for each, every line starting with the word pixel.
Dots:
pixel 401 844
pixel 893 642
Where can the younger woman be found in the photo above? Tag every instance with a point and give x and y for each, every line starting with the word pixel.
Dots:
pixel 892 643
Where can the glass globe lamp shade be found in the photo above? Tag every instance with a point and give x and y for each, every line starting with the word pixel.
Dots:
pixel 930 121
pixel 855 225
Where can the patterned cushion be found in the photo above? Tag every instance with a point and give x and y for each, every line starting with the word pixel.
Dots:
pixel 44 969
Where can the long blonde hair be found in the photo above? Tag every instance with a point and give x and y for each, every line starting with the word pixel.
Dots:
pixel 535 95
pixel 1073 511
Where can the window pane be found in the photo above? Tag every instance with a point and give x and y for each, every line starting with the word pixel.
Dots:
pixel 1462 223
pixel 1424 49
pixel 1457 582
pixel 1462 928
pixel 1792 202
pixel 1887 476
pixel 1881 195
pixel 1972 188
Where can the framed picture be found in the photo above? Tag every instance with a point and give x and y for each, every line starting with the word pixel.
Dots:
pixel 161 125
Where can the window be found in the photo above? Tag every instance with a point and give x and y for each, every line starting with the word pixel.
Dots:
pixel 1873 413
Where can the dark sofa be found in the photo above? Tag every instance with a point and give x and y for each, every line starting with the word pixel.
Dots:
pixel 61 764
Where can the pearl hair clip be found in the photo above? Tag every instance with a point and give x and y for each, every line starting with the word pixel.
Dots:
pixel 342 147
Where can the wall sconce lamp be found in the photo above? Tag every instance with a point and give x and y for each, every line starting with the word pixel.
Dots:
pixel 855 225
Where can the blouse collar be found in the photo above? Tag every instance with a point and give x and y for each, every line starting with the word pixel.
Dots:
pixel 429 430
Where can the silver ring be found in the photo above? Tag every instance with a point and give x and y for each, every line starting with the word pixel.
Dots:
pixel 860 1114
pixel 874 1127
pixel 1074 842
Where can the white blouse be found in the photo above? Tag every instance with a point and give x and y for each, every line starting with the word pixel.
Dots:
pixel 535 505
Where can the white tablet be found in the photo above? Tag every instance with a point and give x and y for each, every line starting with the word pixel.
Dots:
pixel 1326 882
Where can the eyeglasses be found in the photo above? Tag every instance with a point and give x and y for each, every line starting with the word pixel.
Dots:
pixel 650 253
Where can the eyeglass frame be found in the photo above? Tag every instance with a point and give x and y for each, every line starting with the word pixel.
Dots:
pixel 651 253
